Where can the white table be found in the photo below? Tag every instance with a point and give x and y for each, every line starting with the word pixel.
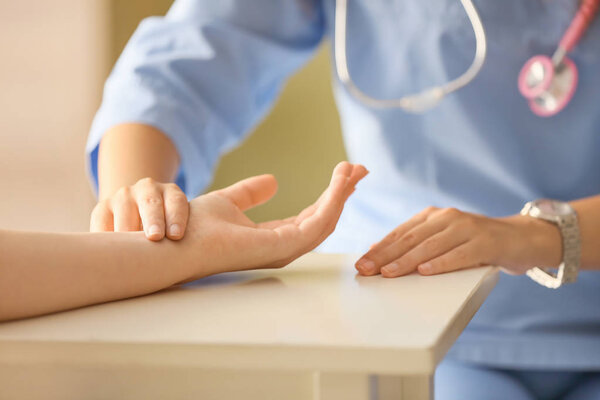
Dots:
pixel 313 330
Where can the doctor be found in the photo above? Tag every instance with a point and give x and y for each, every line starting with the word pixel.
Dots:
pixel 446 186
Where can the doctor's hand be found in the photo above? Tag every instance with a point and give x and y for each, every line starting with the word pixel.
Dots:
pixel 436 240
pixel 158 209
pixel 221 238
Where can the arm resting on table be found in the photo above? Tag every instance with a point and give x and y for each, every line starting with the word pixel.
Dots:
pixel 47 272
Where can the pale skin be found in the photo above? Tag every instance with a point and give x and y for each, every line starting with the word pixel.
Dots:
pixel 442 240
pixel 127 203
pixel 47 272
pixel 433 241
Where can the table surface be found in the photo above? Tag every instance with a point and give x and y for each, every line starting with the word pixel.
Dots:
pixel 315 314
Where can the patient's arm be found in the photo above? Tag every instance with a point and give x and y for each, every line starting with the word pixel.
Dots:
pixel 47 272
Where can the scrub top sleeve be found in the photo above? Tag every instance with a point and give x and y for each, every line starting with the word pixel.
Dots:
pixel 205 74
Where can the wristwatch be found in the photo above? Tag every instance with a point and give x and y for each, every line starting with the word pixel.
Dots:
pixel 565 217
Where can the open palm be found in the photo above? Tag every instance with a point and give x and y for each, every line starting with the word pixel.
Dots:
pixel 224 239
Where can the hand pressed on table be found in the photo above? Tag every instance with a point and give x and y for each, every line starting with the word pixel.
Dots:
pixel 441 240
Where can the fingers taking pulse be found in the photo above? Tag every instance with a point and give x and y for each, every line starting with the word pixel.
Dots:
pixel 159 209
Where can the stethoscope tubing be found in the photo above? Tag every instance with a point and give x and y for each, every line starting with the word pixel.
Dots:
pixel 416 102
pixel 428 98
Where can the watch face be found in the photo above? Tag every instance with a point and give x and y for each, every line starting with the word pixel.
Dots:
pixel 552 207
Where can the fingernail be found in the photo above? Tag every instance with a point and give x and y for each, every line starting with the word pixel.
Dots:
pixel 425 268
pixel 154 230
pixel 391 268
pixel 175 230
pixel 365 265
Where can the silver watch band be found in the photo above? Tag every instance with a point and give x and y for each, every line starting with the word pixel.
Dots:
pixel 571 241
pixel 571 250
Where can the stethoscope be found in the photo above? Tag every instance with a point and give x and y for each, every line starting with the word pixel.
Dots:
pixel 547 83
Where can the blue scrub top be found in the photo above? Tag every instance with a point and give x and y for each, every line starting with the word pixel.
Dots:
pixel 207 72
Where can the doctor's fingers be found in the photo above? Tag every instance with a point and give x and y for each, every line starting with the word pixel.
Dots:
pixel 101 219
pixel 125 211
pixel 148 196
pixel 466 255
pixel 434 246
pixel 373 260
pixel 177 210
pixel 401 229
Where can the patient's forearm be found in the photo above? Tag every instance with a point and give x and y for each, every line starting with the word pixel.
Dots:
pixel 130 152
pixel 47 272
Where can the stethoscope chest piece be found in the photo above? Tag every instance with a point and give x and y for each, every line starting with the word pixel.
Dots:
pixel 548 88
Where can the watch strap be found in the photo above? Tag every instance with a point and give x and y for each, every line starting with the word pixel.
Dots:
pixel 571 250
pixel 571 241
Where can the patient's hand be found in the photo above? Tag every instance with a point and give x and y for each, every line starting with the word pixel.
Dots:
pixel 222 238
pixel 77 269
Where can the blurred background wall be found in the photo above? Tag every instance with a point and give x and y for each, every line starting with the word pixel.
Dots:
pixel 55 57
